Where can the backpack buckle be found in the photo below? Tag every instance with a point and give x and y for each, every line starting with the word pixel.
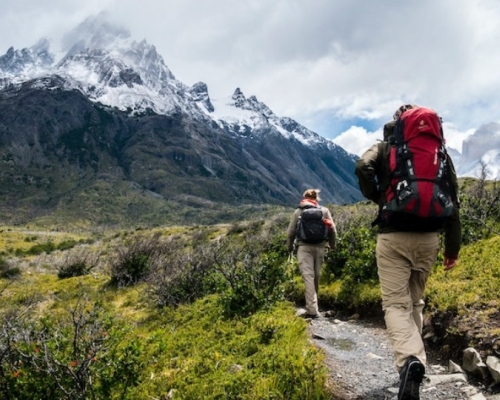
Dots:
pixel 403 190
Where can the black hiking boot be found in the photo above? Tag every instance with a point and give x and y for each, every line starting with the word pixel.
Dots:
pixel 411 377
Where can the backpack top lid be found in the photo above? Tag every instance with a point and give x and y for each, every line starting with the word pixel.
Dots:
pixel 415 121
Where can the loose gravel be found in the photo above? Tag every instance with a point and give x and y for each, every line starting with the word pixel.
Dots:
pixel 359 356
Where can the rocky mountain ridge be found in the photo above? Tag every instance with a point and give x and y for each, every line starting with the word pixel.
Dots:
pixel 109 112
pixel 481 149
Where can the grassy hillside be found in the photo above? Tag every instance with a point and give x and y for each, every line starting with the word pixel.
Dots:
pixel 115 344
pixel 208 311
pixel 118 204
pixel 125 329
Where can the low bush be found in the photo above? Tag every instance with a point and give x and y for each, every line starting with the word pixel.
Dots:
pixel 254 269
pixel 8 270
pixel 185 273
pixel 246 267
pixel 135 261
pixel 66 244
pixel 78 355
pixel 39 248
pixel 354 256
pixel 78 264
pixel 351 268
pixel 11 273
pixel 109 344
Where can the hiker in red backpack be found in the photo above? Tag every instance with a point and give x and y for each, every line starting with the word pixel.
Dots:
pixel 412 179
pixel 311 229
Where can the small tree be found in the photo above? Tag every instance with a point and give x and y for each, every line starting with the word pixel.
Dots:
pixel 480 207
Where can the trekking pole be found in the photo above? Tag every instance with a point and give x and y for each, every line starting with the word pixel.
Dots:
pixel 291 265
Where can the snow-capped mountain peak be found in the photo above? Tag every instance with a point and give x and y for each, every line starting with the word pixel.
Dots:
pixel 26 62
pixel 102 61
pixel 252 118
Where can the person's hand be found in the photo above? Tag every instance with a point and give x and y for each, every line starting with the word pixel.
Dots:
pixel 450 263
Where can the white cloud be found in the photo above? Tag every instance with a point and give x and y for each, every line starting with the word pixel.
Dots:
pixel 24 22
pixel 357 140
pixel 454 137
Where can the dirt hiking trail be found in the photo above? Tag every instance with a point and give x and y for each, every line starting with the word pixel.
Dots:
pixel 359 357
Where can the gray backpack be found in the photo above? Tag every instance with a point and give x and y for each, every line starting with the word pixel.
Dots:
pixel 310 226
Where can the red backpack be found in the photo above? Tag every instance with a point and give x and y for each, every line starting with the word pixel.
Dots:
pixel 420 195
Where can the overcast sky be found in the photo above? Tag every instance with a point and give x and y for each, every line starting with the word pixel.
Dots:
pixel 339 67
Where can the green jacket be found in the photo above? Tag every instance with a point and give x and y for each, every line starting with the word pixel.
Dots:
pixel 372 170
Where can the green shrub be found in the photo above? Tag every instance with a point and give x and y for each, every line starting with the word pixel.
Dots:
pixel 247 267
pixel 66 244
pixel 254 268
pixel 77 264
pixel 7 270
pixel 80 355
pixel 10 273
pixel 354 257
pixel 47 247
pixel 77 268
pixel 135 261
pixel 185 274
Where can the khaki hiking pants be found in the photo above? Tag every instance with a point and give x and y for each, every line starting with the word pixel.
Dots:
pixel 310 259
pixel 404 261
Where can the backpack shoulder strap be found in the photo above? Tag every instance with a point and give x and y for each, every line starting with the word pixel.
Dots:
pixel 398 132
pixel 308 206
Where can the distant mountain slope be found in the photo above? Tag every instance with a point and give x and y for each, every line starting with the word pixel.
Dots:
pixel 110 110
pixel 481 149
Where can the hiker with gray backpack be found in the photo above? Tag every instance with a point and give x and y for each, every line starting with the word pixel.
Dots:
pixel 411 177
pixel 311 231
